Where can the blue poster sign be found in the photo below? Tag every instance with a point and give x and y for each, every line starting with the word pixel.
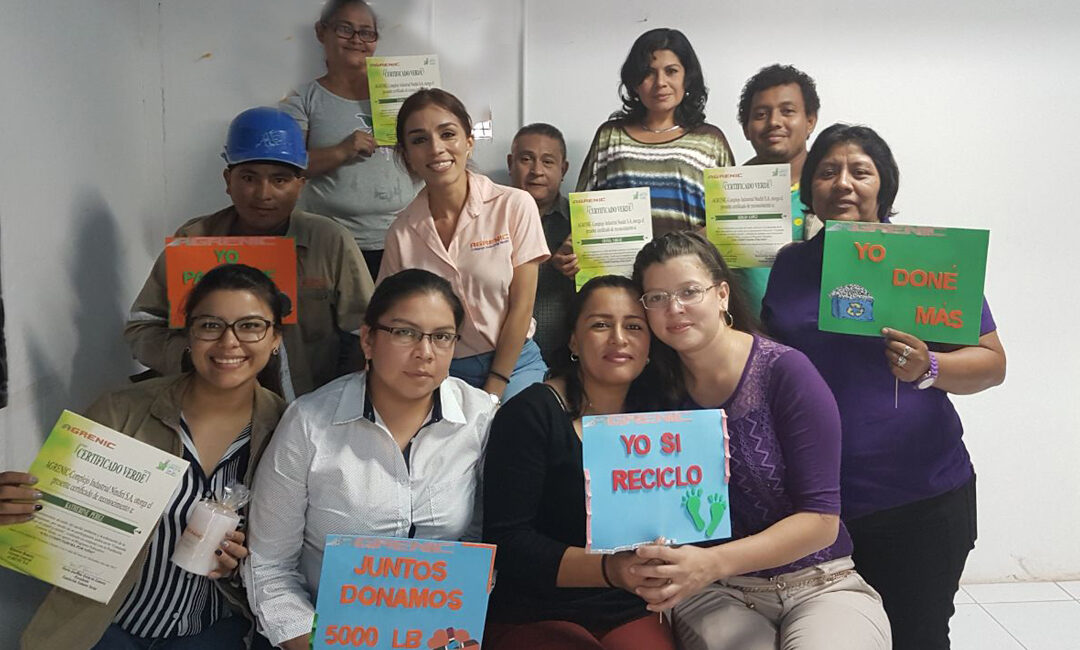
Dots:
pixel 386 592
pixel 650 475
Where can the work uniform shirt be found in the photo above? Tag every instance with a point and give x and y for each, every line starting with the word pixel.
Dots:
pixel 333 467
pixel 334 286
pixel 498 230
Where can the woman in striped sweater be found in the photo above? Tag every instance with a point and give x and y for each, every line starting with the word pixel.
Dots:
pixel 659 139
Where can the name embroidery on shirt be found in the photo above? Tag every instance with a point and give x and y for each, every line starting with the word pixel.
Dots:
pixel 497 240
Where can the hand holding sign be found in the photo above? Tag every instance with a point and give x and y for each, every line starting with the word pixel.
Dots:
pixel 358 146
pixel 908 356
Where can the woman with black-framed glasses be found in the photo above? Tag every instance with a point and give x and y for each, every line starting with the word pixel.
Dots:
pixel 392 451
pixel 217 417
pixel 350 179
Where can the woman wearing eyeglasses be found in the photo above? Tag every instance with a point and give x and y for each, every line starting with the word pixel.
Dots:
pixel 786 578
pixel 350 179
pixel 218 418
pixel 392 451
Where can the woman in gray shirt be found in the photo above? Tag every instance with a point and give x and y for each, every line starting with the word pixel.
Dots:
pixel 350 178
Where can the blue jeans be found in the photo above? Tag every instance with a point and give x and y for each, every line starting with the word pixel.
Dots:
pixel 226 634
pixel 530 369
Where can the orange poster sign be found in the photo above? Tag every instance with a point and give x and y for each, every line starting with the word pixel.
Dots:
pixel 187 259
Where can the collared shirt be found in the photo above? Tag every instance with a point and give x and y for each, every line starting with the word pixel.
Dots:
pixel 168 601
pixel 331 470
pixel 334 286
pixel 498 230
pixel 554 291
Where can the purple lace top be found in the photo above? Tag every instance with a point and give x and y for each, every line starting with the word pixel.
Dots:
pixel 785 447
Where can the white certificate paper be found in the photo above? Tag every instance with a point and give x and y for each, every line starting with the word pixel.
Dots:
pixel 103 494
pixel 748 212
pixel 608 228
pixel 391 79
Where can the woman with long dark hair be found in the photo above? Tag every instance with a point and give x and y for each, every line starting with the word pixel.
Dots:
pixel 550 592
pixel 659 138
pixel 486 239
pixel 217 417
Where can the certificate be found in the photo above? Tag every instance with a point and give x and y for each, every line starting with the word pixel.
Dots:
pixel 650 475
pixel 103 493
pixel 387 592
pixel 748 212
pixel 608 228
pixel 391 79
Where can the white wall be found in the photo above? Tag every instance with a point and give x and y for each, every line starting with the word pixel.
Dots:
pixel 117 110
pixel 80 203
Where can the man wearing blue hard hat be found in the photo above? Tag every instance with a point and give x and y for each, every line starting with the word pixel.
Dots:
pixel 265 159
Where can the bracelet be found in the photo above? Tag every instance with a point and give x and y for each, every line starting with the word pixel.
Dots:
pixel 603 570
pixel 499 375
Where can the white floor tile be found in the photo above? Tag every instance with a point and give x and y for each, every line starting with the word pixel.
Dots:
pixel 1040 626
pixel 1073 587
pixel 971 628
pixel 1016 592
pixel 962 598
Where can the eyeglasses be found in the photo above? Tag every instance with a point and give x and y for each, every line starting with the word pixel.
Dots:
pixel 345 31
pixel 409 336
pixel 251 329
pixel 691 295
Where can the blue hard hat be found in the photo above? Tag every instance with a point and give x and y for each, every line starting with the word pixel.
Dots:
pixel 268 134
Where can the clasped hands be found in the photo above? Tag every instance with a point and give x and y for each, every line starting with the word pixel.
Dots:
pixel 664 576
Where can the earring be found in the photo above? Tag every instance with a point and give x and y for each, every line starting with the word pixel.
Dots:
pixel 274 352
pixel 573 358
pixel 187 350
pixel 728 320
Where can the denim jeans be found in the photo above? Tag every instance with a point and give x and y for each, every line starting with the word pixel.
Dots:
pixel 529 370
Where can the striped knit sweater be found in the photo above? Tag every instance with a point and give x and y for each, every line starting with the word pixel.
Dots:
pixel 671 170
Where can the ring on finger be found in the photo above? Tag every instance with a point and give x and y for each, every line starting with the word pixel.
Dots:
pixel 901 361
pixel 907 351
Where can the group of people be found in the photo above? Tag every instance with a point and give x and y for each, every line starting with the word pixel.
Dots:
pixel 444 400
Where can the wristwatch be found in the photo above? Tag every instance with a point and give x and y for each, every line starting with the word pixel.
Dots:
pixel 930 376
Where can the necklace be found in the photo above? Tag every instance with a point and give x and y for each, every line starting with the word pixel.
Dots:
pixel 667 130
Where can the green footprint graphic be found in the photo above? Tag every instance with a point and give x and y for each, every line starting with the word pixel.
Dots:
pixel 692 502
pixel 717 506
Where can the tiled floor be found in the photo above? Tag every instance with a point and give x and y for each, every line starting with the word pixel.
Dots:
pixel 1017 616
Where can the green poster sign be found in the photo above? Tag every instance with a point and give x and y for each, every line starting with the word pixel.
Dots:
pixel 923 280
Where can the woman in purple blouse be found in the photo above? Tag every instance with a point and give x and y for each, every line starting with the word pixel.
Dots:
pixel 907 483
pixel 786 578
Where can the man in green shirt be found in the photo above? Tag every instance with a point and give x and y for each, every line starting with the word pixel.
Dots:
pixel 778 110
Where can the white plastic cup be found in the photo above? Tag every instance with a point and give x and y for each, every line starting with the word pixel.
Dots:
pixel 207 527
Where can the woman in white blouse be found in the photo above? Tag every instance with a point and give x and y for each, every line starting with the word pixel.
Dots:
pixel 393 451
